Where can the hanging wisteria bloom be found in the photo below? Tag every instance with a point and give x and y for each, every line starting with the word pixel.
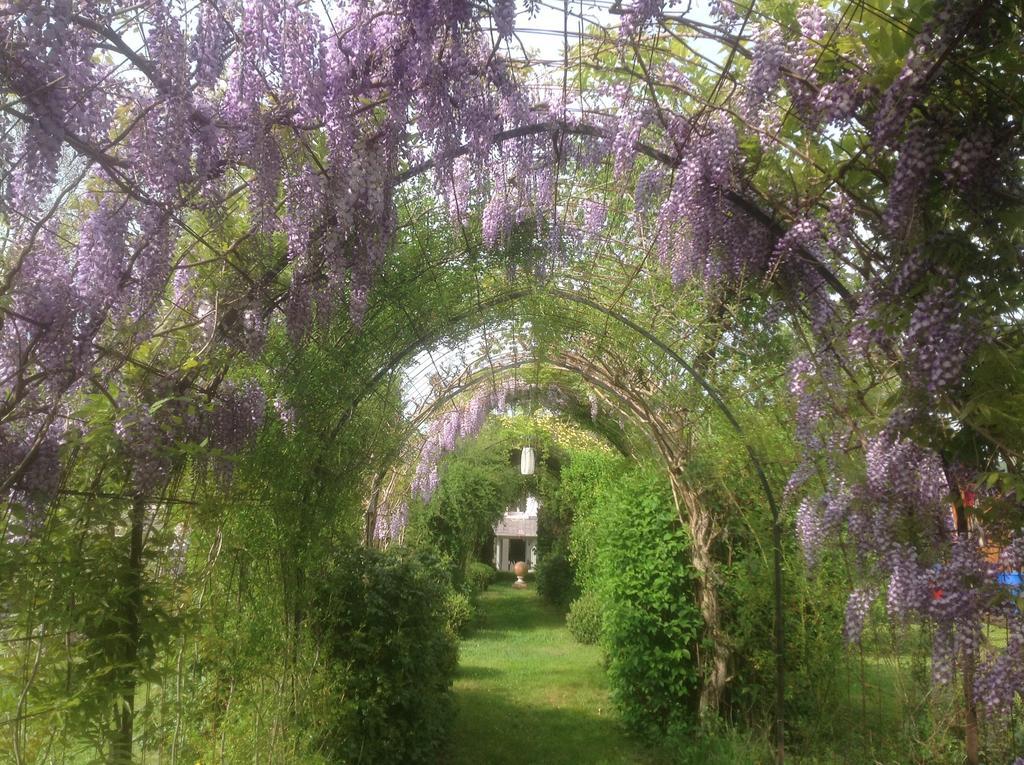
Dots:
pixel 594 215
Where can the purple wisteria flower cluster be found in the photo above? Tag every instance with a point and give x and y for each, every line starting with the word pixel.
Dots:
pixel 458 423
pixel 890 498
pixel 461 422
pixel 262 104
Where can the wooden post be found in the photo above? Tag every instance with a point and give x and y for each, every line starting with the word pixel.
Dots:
pixel 780 636
pixel 124 735
pixel 971 743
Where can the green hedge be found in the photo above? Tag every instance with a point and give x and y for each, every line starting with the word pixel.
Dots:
pixel 556 582
pixel 380 619
pixel 458 612
pixel 632 556
pixel 651 622
pixel 584 618
pixel 479 576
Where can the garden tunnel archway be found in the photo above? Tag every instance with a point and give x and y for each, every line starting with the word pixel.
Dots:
pixel 572 406
pixel 669 449
pixel 176 182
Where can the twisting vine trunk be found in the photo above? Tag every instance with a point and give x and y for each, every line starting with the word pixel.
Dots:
pixel 715 665
pixel 716 671
pixel 371 507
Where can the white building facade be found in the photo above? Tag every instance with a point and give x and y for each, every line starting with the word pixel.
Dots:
pixel 515 536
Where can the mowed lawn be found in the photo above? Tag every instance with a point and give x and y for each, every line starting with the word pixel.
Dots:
pixel 527 693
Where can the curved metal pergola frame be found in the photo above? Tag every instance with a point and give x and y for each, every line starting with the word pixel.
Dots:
pixel 479 315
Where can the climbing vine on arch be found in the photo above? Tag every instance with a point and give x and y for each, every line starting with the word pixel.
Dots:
pixel 179 184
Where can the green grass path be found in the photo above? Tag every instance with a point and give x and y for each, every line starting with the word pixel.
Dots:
pixel 527 694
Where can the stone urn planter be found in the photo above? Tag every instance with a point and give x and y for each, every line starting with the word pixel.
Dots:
pixel 520 569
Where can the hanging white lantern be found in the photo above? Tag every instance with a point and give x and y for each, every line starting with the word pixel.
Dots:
pixel 527 461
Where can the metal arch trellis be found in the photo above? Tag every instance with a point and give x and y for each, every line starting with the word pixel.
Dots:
pixel 710 390
pixel 501 366
pixel 487 374
pixel 515 295
pixel 377 324
pixel 751 208
pixel 633 407
pixel 631 410
pixel 438 367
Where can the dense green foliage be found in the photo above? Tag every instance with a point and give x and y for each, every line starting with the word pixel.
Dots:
pixel 632 557
pixel 378 618
pixel 205 628
pixel 651 624
pixel 477 484
pixel 719 471
pixel 479 576
pixel 556 581
pixel 583 482
pixel 458 612
pixel 584 618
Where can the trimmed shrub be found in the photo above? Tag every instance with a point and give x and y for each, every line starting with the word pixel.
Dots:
pixel 651 624
pixel 584 618
pixel 556 581
pixel 458 612
pixel 380 621
pixel 632 552
pixel 479 576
